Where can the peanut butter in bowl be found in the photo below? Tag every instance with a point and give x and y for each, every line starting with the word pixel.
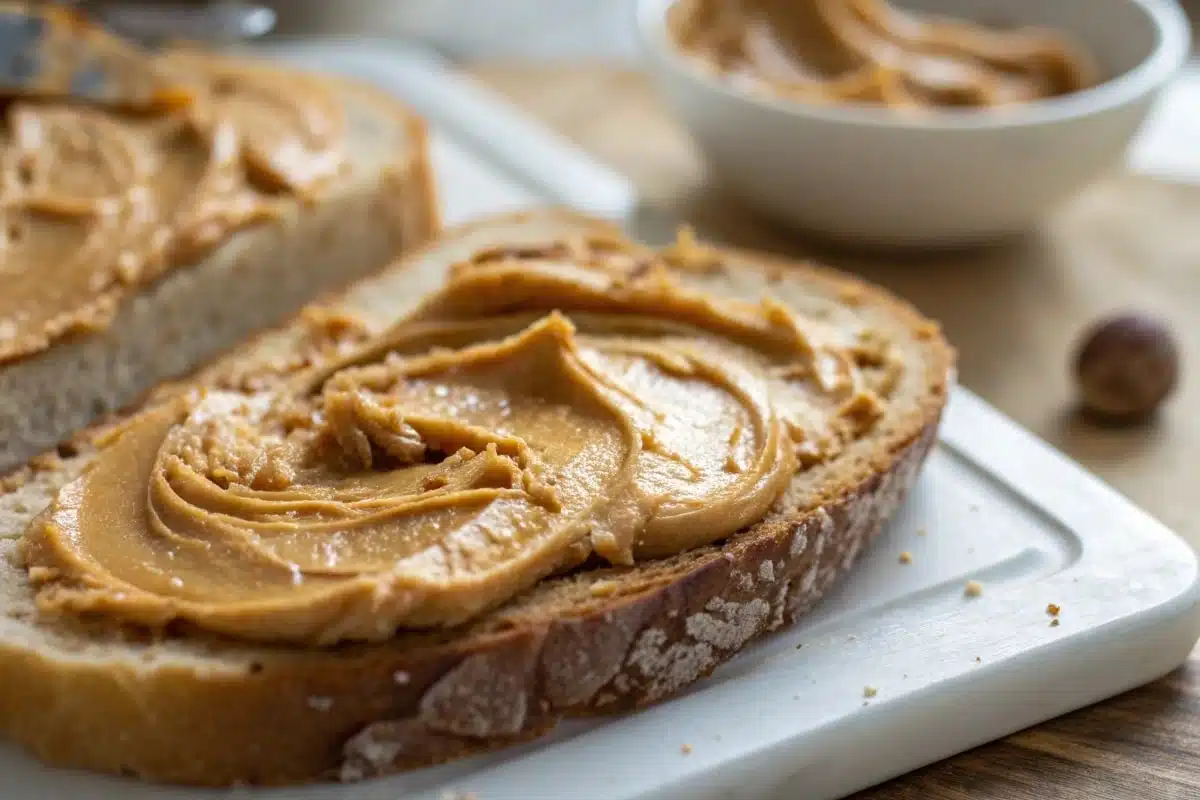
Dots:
pixel 871 52
pixel 910 123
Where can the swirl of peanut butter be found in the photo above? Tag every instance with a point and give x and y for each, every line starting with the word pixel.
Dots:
pixel 97 201
pixel 868 51
pixel 488 440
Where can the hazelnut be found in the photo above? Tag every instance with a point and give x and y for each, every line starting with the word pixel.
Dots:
pixel 1126 366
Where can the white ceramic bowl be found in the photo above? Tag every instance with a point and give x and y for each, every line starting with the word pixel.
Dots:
pixel 874 177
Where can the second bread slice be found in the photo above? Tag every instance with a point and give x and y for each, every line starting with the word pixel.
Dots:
pixel 379 203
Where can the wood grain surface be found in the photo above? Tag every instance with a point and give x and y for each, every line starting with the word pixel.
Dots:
pixel 1015 312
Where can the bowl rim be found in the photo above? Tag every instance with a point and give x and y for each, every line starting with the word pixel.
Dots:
pixel 1168 58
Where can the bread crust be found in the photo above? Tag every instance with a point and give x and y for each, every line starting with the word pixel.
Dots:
pixel 601 641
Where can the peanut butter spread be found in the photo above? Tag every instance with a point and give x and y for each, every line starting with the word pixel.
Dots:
pixel 869 52
pixel 547 405
pixel 96 201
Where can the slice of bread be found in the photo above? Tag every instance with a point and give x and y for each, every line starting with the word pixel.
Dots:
pixel 202 710
pixel 380 204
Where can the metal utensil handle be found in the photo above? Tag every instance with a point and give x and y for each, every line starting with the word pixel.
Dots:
pixel 222 22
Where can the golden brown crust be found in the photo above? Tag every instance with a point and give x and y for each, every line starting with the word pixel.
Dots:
pixel 599 641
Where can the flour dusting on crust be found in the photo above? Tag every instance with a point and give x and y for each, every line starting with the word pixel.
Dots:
pixel 485 695
pixel 729 625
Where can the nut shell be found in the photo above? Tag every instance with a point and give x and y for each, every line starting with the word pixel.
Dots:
pixel 1126 366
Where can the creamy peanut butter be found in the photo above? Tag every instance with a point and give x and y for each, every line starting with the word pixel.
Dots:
pixel 94 201
pixel 546 405
pixel 870 52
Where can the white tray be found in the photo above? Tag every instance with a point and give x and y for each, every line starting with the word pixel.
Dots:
pixel 994 505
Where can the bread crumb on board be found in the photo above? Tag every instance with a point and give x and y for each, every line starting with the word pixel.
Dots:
pixel 921 532
pixel 686 749
pixel 1054 622
pixel 870 691
pixel 1053 610
pixel 973 589
pixel 906 557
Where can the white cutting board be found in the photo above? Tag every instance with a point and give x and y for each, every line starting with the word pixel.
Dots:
pixel 950 672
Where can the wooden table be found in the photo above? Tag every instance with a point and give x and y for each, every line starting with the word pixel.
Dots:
pixel 1014 314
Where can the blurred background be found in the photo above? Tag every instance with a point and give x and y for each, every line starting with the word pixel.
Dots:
pixel 478 29
pixel 597 30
